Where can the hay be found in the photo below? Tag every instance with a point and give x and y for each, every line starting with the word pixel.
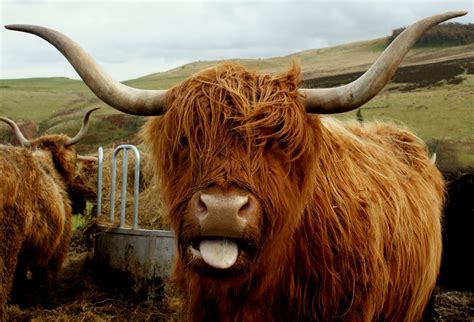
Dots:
pixel 453 305
pixel 150 207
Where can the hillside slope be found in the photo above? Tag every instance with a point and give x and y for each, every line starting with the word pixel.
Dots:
pixel 353 57
pixel 432 93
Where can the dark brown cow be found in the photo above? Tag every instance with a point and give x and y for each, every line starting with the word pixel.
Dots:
pixel 281 214
pixel 37 182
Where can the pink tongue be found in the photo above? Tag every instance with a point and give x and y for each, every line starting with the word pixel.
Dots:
pixel 219 253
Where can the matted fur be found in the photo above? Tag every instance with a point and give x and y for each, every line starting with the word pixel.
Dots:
pixel 35 211
pixel 351 214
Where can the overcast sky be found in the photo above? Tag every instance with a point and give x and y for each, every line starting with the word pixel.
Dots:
pixel 135 38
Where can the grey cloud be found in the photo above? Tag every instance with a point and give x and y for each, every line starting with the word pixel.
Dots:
pixel 163 34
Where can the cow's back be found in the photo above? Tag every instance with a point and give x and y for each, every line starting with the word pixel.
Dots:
pixel 387 196
pixel 37 196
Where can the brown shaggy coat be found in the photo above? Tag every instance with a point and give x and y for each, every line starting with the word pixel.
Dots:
pixel 351 214
pixel 35 211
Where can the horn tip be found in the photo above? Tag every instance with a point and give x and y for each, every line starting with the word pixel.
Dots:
pixel 21 27
pixel 459 13
pixel 92 110
pixel 12 27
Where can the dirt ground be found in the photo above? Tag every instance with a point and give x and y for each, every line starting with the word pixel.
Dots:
pixel 78 297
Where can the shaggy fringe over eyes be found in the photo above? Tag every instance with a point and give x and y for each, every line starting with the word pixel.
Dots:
pixel 228 99
pixel 228 126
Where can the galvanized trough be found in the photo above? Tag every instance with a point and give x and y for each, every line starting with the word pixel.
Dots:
pixel 130 260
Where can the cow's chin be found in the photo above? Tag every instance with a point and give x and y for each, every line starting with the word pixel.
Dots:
pixel 218 257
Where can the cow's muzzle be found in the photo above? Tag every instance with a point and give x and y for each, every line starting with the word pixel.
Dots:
pixel 223 218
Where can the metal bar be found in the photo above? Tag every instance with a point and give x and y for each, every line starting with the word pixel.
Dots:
pixel 100 161
pixel 123 196
pixel 112 186
pixel 136 185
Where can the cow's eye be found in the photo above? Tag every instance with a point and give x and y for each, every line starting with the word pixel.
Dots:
pixel 274 144
pixel 183 141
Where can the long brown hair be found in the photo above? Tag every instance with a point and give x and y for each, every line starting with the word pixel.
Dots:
pixel 351 213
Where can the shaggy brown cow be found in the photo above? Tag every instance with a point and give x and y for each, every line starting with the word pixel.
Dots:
pixel 37 182
pixel 280 214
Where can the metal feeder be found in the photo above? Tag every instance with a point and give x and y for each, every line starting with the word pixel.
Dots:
pixel 129 259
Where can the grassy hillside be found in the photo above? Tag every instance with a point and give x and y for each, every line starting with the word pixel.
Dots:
pixel 433 94
pixel 342 59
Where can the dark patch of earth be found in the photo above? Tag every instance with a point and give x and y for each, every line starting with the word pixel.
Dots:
pixel 407 78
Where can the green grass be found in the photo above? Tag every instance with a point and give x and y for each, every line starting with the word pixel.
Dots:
pixel 441 115
pixel 39 98
pixel 444 112
pixel 81 221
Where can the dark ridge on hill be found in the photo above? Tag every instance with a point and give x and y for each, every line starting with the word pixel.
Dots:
pixel 446 34
pixel 410 77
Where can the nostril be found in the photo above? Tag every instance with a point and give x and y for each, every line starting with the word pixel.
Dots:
pixel 247 208
pixel 201 205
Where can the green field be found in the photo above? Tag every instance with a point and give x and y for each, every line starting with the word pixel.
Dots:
pixel 441 110
pixel 443 116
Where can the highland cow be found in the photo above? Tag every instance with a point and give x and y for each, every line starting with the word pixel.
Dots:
pixel 41 183
pixel 280 214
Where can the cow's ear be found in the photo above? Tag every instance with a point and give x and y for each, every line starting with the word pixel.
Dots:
pixel 65 161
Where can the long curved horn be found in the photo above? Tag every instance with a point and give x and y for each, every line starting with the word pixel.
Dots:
pixel 83 131
pixel 348 97
pixel 121 97
pixel 19 136
pixel 87 158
